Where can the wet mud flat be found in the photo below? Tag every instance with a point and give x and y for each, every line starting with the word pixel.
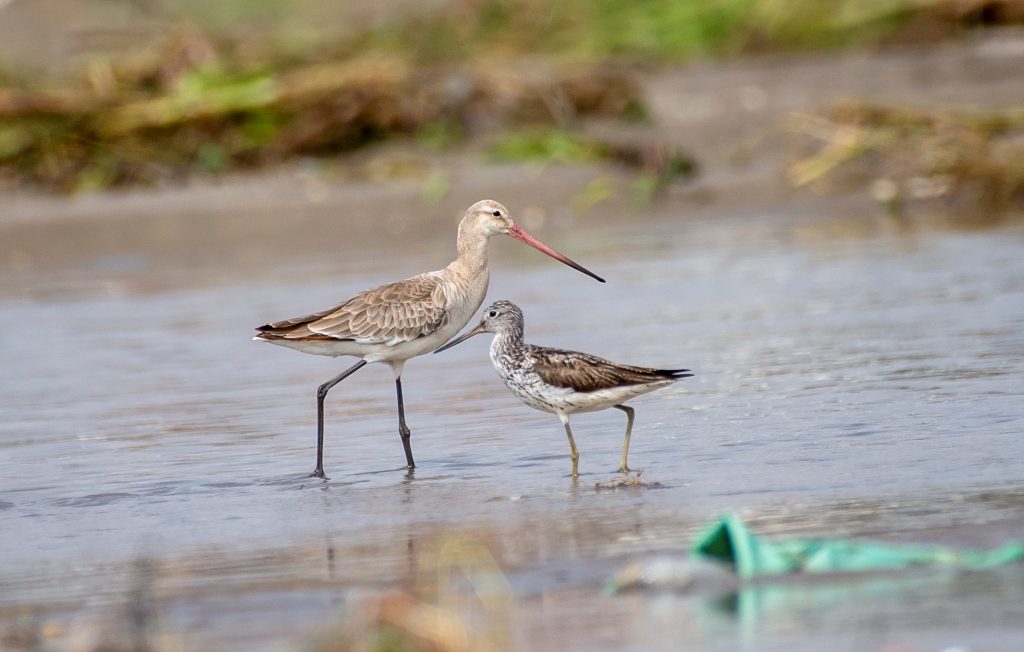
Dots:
pixel 856 375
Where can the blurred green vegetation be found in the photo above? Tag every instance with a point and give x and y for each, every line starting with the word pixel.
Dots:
pixel 663 30
pixel 660 30
pixel 229 85
pixel 654 164
pixel 204 119
pixel 547 146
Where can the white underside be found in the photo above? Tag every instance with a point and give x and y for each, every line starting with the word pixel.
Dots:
pixel 371 352
pixel 565 401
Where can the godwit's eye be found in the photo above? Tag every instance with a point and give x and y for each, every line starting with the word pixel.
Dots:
pixel 492 314
pixel 496 213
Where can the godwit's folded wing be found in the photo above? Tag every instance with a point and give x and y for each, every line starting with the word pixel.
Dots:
pixel 583 372
pixel 293 326
pixel 390 314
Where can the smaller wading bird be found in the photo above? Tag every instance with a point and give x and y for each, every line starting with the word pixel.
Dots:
pixel 398 321
pixel 563 382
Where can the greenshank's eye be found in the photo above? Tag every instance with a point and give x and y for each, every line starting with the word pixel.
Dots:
pixel 492 314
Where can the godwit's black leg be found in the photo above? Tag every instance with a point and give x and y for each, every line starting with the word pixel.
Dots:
pixel 403 429
pixel 321 394
pixel 572 445
pixel 623 468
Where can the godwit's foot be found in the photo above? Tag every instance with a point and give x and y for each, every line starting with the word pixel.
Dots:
pixel 624 469
pixel 318 473
pixel 406 434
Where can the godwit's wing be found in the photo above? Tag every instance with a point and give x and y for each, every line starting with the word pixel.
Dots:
pixel 390 315
pixel 583 372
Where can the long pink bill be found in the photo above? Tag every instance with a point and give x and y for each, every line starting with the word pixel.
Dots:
pixel 458 340
pixel 517 232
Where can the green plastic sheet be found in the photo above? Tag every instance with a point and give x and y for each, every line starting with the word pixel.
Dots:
pixel 729 540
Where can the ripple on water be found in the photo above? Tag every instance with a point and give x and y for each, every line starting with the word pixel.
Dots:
pixel 226 485
pixel 93 500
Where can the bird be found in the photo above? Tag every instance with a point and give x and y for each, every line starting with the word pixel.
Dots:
pixel 397 321
pixel 564 382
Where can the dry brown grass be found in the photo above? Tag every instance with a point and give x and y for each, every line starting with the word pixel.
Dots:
pixel 965 161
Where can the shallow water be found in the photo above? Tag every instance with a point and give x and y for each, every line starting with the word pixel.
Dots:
pixel 856 378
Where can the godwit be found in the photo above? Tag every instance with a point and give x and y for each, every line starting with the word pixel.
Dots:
pixel 398 321
pixel 564 382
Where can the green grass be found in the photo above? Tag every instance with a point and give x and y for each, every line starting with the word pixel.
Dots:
pixel 662 30
pixel 461 30
pixel 546 145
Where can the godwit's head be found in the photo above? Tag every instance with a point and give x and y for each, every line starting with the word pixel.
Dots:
pixel 488 217
pixel 501 317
